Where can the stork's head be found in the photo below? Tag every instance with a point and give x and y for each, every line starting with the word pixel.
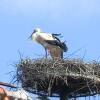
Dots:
pixel 37 30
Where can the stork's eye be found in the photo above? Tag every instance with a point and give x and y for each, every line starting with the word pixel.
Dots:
pixel 34 31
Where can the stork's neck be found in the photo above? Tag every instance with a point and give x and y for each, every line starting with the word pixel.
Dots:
pixel 38 32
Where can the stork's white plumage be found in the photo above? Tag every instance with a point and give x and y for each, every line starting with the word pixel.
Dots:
pixel 50 42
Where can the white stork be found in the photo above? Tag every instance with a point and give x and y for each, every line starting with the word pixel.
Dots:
pixel 50 42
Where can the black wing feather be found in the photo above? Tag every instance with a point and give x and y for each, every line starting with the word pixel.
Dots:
pixel 56 34
pixel 56 38
pixel 62 45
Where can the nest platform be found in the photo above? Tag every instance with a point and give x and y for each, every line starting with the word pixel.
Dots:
pixel 69 77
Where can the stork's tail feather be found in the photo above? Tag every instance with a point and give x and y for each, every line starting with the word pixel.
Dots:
pixel 64 47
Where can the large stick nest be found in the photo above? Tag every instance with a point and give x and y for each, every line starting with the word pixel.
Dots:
pixel 73 78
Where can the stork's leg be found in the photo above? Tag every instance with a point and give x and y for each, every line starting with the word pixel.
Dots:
pixel 46 53
pixel 61 54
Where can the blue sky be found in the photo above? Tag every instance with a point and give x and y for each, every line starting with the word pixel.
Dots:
pixel 77 20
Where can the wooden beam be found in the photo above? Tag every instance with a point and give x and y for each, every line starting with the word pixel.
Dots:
pixel 8 85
